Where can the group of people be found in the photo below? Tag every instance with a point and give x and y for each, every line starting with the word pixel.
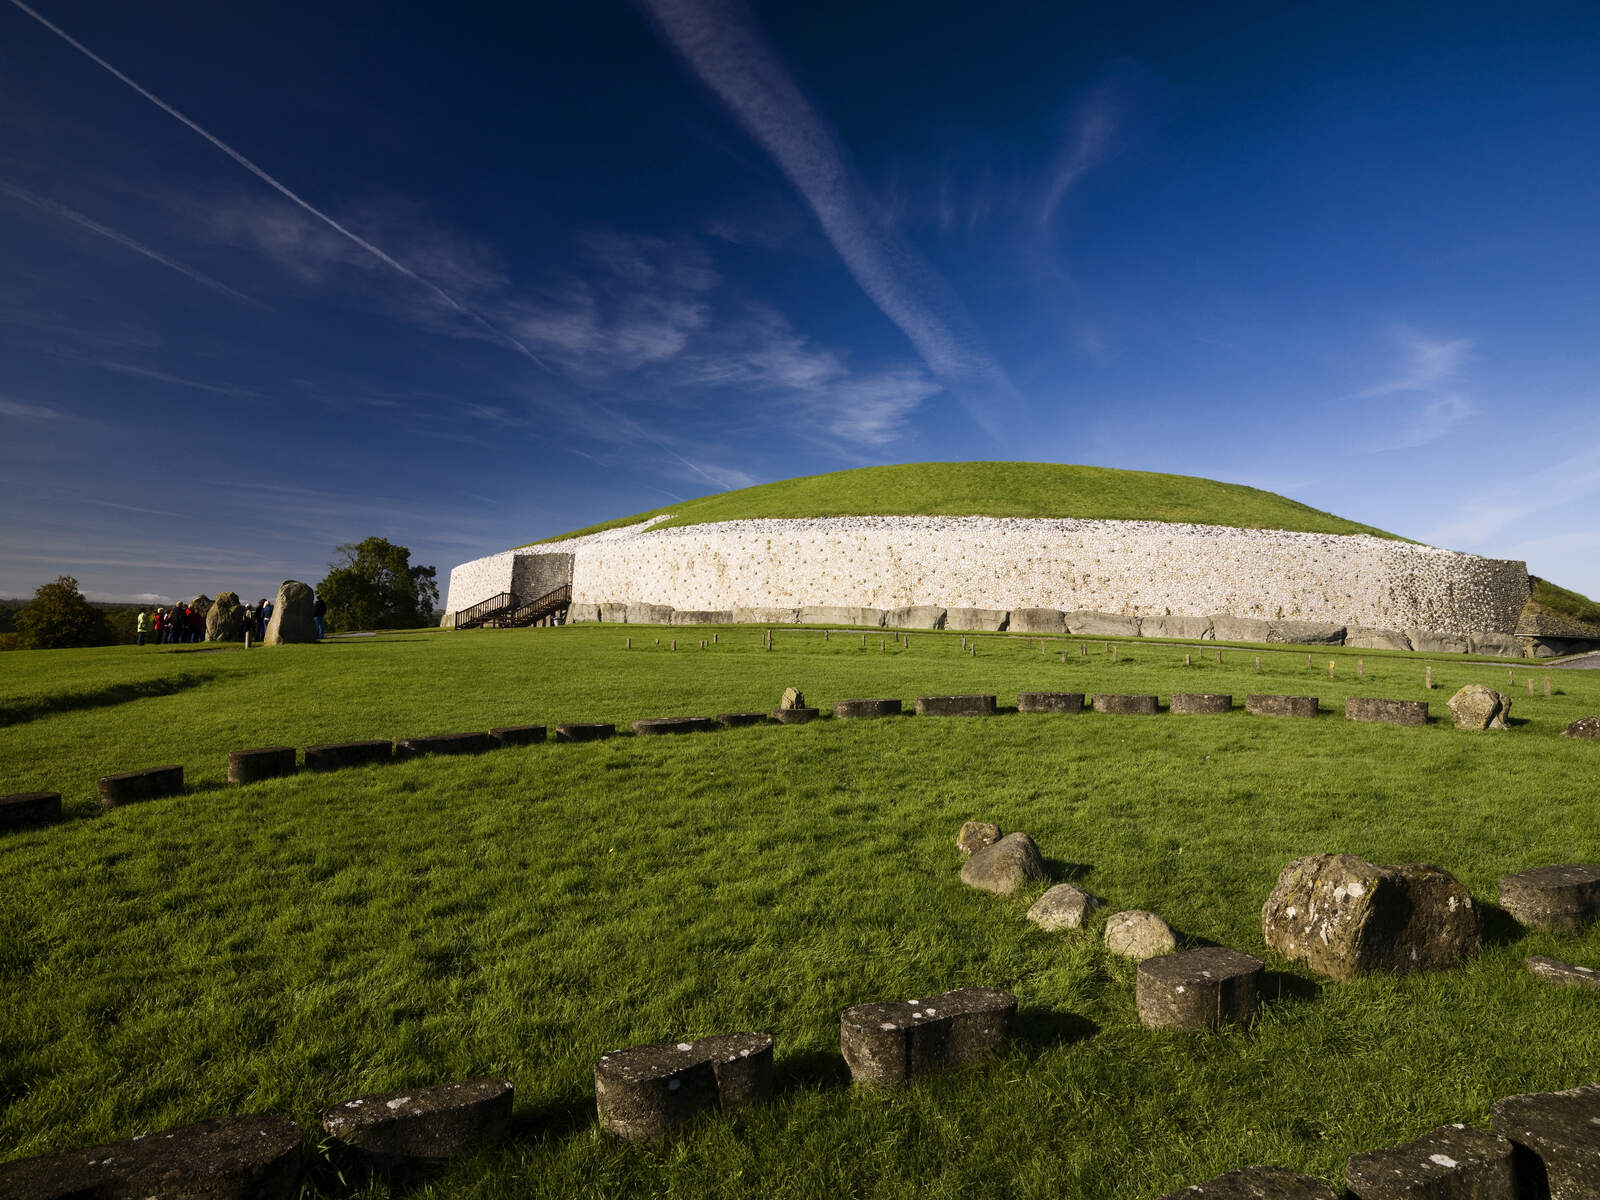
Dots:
pixel 185 623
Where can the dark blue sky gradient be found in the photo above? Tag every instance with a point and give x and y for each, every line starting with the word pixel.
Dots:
pixel 1347 253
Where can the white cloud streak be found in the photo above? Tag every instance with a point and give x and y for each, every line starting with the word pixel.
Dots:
pixel 45 204
pixel 437 291
pixel 1429 373
pixel 720 43
pixel 31 412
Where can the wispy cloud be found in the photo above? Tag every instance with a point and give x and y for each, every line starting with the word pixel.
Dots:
pixel 1527 494
pixel 1428 374
pixel 45 204
pixel 721 44
pixel 31 412
pixel 1091 134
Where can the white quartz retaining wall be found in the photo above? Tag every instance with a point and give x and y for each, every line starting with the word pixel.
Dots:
pixel 1141 568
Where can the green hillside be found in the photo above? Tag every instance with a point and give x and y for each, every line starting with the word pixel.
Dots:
pixel 1003 489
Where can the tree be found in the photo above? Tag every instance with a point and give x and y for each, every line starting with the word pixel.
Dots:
pixel 59 616
pixel 372 585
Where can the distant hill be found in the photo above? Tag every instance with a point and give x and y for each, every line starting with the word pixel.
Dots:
pixel 1003 489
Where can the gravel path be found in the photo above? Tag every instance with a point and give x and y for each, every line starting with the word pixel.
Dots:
pixel 1587 662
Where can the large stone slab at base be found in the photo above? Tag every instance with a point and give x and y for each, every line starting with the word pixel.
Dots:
pixel 1453 1162
pixel 1005 866
pixel 581 731
pixel 27 810
pixel 1502 645
pixel 644 1093
pixel 1187 628
pixel 1199 989
pixel 649 614
pixel 1099 624
pixel 443 743
pixel 133 786
pixel 1037 620
pixel 1057 702
pixel 422 1125
pixel 976 620
pixel 703 616
pixel 766 616
pixel 227 1158
pixel 518 735
pixel 249 766
pixel 794 716
pixel 956 706
pixel 735 720
pixel 1256 1183
pixel 334 755
pixel 1199 703
pixel 1360 637
pixel 1433 641
pixel 888 1043
pixel 916 616
pixel 656 725
pixel 1144 706
pixel 1306 633
pixel 1553 970
pixel 1281 706
pixel 836 614
pixel 847 709
pixel 1564 898
pixel 1557 1135
pixel 1342 916
pixel 1386 712
pixel 1226 628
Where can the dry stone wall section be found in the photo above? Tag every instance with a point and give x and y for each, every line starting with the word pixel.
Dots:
pixel 1168 575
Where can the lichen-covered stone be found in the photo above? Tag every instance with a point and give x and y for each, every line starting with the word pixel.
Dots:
pixel 1037 620
pixel 1343 916
pixel 1188 628
pixel 1056 702
pixel 644 1093
pixel 1144 706
pixel 867 709
pixel 1563 898
pixel 1383 711
pixel 1281 706
pixel 976 620
pixel 1453 1162
pixel 792 698
pixel 1139 934
pixel 888 1043
pixel 1062 907
pixel 1478 708
pixel 1199 703
pixel 956 706
pixel 1583 727
pixel 225 620
pixel 1557 1135
pixel 915 616
pixel 1005 866
pixel 421 1125
pixel 292 620
pixel 1102 624
pixel 1198 989
pixel 975 835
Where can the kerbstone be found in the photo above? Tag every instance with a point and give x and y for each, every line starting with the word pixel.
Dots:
pixel 836 614
pixel 1306 633
pixel 1005 866
pixel 1199 989
pixel 1436 642
pixel 334 755
pixel 1505 645
pixel 226 1158
pixel 1281 706
pixel 644 1093
pixel 1037 620
pixel 1557 1135
pixel 1146 706
pixel 1453 1162
pixel 975 835
pixel 133 786
pixel 518 735
pixel 1228 628
pixel 956 706
pixel 422 1125
pixel 1056 702
pixel 659 725
pixel 649 614
pixel 1099 624
pixel 1199 703
pixel 26 810
pixel 916 616
pixel 1553 970
pixel 766 616
pixel 1386 712
pixel 579 731
pixel 976 620
pixel 703 616
pixel 1139 934
pixel 1188 628
pixel 1360 637
pixel 888 1043
pixel 1564 898
pixel 1063 907
pixel 249 766
pixel 733 720
pixel 443 743
pixel 1256 1183
pixel 1343 916
pixel 847 709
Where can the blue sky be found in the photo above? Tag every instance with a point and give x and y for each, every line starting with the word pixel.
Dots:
pixel 277 277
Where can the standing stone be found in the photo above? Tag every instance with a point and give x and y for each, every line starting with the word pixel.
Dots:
pixel 1199 989
pixel 1478 708
pixel 1453 1162
pixel 975 835
pixel 1256 1183
pixel 1062 907
pixel 291 615
pixel 1343 916
pixel 225 621
pixel 1583 727
pixel 1557 1135
pixel 421 1125
pixel 1139 934
pixel 792 698
pixel 888 1043
pixel 1562 898
pixel 1005 866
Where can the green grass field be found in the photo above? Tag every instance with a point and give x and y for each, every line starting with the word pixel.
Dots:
pixel 1003 489
pixel 282 946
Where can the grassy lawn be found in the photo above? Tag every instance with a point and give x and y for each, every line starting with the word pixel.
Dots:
pixel 1004 489
pixel 289 944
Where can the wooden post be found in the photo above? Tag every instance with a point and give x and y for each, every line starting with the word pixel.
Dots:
pixel 1308 660
pixel 1063 657
pixel 629 645
pixel 1427 678
pixel 863 641
pixel 1509 680
pixel 1186 661
pixel 1530 685
pixel 1113 654
pixel 1083 649
pixel 1547 685
pixel 824 635
pixel 674 644
pixel 1106 646
pixel 714 638
pixel 1258 664
pixel 1330 668
pixel 883 644
pixel 1361 669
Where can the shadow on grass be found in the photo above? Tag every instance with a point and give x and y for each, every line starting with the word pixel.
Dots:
pixel 810 1070
pixel 1062 871
pixel 1282 987
pixel 1499 927
pixel 106 697
pixel 1044 1028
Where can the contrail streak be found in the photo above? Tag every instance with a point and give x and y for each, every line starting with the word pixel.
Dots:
pixel 260 174
pixel 55 208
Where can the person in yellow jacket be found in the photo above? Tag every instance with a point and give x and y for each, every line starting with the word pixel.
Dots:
pixel 144 626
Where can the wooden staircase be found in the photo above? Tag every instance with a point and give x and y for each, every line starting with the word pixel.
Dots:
pixel 509 611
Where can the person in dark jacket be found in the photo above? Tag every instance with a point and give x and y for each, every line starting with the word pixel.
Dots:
pixel 319 609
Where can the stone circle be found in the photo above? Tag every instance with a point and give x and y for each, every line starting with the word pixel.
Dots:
pixel 1063 907
pixel 1281 706
pixel 132 786
pixel 1144 706
pixel 1139 934
pixel 955 706
pixel 1199 703
pixel 644 1093
pixel 1057 702
pixel 1387 712
pixel 888 1043
pixel 1199 989
pixel 291 620
pixel 846 709
pixel 1005 866
pixel 421 1125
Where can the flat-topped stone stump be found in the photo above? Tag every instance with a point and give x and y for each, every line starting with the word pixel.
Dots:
pixel 443 743
pixel 26 810
pixel 1453 1162
pixel 1256 1183
pixel 251 766
pixel 336 755
pixel 1281 706
pixel 955 706
pixel 651 726
pixel 1553 970
pixel 1057 702
pixel 132 786
pixel 887 1043
pixel 794 716
pixel 1005 866
pixel 735 720
pixel 1564 898
pixel 1142 706
pixel 577 731
pixel 1199 989
pixel 1557 1136
pixel 1195 704
pixel 645 1092
pixel 1386 712
pixel 518 735
pixel 422 1125
pixel 845 709
pixel 229 1158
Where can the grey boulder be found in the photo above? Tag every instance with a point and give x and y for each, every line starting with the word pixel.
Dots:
pixel 1478 708
pixel 1005 866
pixel 291 615
pixel 1062 907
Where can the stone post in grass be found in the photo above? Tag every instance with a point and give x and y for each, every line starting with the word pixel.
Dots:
pixel 1427 678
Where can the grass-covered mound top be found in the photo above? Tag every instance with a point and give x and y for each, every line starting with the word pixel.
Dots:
pixel 1556 612
pixel 1003 489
